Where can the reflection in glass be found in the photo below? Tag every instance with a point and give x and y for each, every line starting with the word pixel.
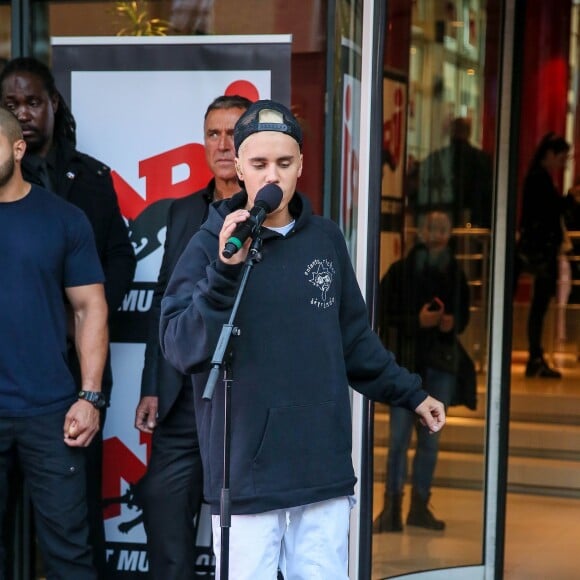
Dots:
pixel 5 32
pixel 436 215
pixel 456 178
pixel 424 307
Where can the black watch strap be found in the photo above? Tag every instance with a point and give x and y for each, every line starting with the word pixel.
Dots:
pixel 95 398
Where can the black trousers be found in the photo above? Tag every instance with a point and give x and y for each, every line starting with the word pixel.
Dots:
pixel 544 288
pixel 171 492
pixel 55 477
pixel 94 477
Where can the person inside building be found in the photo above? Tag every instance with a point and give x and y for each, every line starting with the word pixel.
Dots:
pixel 304 338
pixel 48 251
pixel 27 89
pixel 171 490
pixel 457 178
pixel 540 241
pixel 424 306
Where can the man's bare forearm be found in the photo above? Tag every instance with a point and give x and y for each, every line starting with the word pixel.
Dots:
pixel 91 334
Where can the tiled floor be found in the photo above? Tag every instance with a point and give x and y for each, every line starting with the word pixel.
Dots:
pixel 542 533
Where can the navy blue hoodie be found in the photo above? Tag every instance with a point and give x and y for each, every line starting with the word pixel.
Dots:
pixel 304 338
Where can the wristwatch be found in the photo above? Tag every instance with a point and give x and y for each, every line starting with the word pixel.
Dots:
pixel 95 398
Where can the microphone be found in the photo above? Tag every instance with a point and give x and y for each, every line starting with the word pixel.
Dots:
pixel 267 200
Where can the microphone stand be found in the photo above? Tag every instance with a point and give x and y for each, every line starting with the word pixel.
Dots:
pixel 222 351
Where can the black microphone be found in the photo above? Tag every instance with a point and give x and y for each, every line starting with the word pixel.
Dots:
pixel 267 200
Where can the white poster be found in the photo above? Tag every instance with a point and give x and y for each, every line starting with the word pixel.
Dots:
pixel 139 105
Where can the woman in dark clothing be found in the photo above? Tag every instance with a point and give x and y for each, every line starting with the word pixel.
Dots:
pixel 540 239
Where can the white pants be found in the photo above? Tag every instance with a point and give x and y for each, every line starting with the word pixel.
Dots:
pixel 307 543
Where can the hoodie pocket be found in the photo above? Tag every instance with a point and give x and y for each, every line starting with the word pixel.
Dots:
pixel 303 447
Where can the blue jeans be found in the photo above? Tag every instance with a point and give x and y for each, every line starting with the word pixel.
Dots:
pixel 440 385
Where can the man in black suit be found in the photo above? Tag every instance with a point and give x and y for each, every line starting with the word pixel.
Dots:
pixel 171 490
pixel 28 90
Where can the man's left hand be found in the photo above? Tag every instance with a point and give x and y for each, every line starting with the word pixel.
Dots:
pixel 432 414
pixel 81 424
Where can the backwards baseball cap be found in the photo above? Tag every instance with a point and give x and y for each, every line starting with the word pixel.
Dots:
pixel 266 115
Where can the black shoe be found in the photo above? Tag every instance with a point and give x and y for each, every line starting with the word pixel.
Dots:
pixel 538 367
pixel 389 520
pixel 420 515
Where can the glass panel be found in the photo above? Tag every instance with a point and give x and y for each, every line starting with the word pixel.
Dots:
pixel 344 95
pixel 439 131
pixel 5 32
pixel 545 341
pixel 546 310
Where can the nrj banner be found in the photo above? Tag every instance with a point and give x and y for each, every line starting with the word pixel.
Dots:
pixel 139 105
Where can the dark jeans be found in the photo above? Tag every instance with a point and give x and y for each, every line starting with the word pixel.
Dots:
pixel 544 288
pixel 171 493
pixel 440 385
pixel 55 477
